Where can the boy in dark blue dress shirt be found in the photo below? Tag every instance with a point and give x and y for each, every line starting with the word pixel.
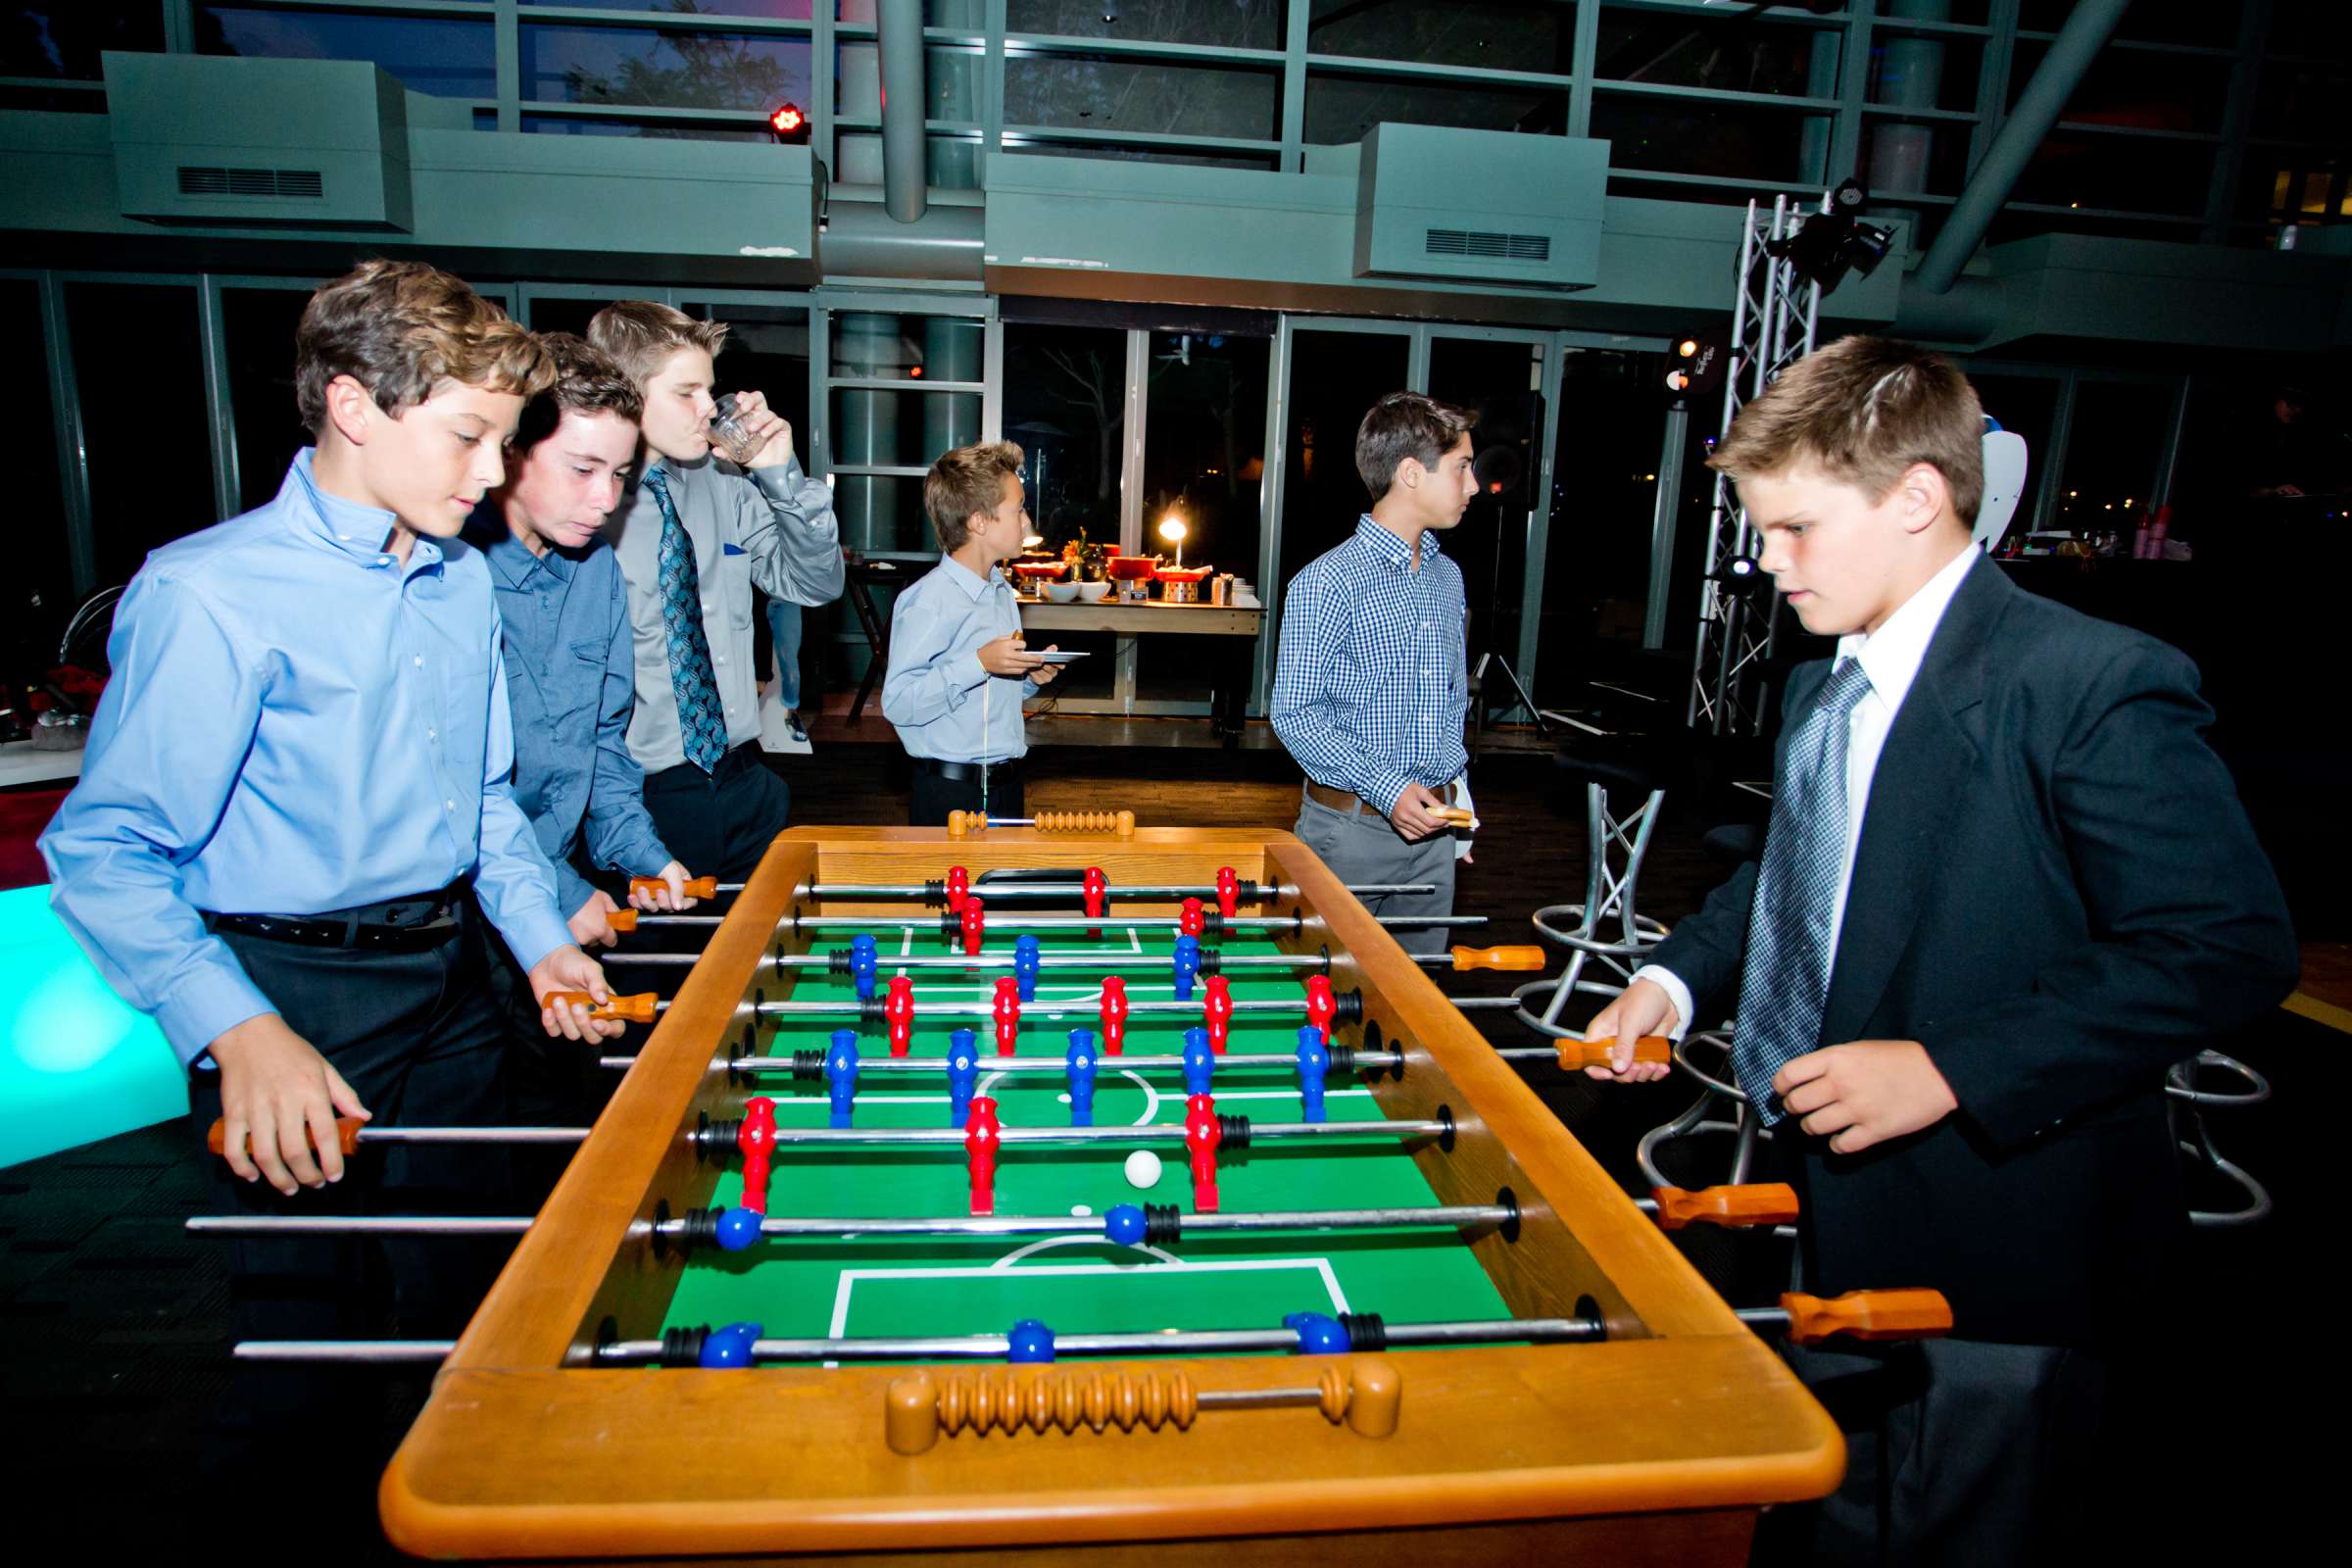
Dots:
pixel 564 612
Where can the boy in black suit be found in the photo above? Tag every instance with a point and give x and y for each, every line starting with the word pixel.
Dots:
pixel 2005 886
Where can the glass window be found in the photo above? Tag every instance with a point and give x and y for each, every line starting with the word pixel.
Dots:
pixel 907 429
pixel 1335 376
pixel 777 10
pixel 2118 433
pixel 1925 71
pixel 1232 23
pixel 906 348
pixel 259 324
pixel 1343 109
pixel 148 492
pixel 1204 446
pixel 657 129
pixel 1347 107
pixel 63 39
pixel 2192 22
pixel 1698 51
pixel 2028 405
pixel 678 69
pixel 2142 88
pixel 2302 101
pixel 767 351
pixel 1140 152
pixel 1530 35
pixel 1490 544
pixel 1604 511
pixel 43 558
pixel 952 78
pixel 552 312
pixel 1095 92
pixel 1725 140
pixel 1929 160
pixel 2313 29
pixel 2126 173
pixel 448 57
pixel 1065 404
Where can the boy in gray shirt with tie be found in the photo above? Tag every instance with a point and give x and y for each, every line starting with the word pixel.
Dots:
pixel 693 537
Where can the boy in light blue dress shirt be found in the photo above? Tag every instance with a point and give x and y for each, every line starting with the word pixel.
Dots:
pixel 957 671
pixel 295 792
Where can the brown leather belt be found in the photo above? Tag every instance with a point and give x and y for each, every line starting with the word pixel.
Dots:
pixel 1337 800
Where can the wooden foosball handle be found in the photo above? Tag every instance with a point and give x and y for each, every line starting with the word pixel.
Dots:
pixel 1522 958
pixel 1868 1316
pixel 622 919
pixel 1575 1053
pixel 1363 1392
pixel 700 887
pixel 347 1135
pixel 639 1008
pixel 1731 1207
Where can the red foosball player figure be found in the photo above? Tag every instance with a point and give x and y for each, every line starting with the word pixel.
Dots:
pixel 980 1144
pixel 898 1008
pixel 960 889
pixel 1008 1015
pixel 1114 1015
pixel 1201 1136
pixel 1192 919
pixel 756 1137
pixel 1321 1006
pixel 1229 892
pixel 1217 1012
pixel 974 919
pixel 1097 887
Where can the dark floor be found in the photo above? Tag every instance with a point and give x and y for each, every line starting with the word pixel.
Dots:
pixel 117 1317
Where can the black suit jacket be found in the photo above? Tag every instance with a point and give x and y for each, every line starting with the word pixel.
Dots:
pixel 2058 893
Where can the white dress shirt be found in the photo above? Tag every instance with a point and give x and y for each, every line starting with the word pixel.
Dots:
pixel 1890 656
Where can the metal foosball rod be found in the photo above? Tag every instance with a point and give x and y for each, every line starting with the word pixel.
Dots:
pixel 1460 959
pixel 1027 1066
pixel 1673 1208
pixel 350 1132
pixel 938 892
pixel 1257 924
pixel 721 1137
pixel 1875 1316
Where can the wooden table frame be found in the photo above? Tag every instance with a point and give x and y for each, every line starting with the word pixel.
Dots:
pixel 1658 1446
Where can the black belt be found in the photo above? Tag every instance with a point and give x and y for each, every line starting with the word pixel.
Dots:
pixel 967 772
pixel 397 925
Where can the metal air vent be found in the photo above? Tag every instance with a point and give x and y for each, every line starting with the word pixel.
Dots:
pixel 1489 243
pixel 302 183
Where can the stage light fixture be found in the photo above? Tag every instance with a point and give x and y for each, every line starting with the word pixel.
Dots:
pixel 789 123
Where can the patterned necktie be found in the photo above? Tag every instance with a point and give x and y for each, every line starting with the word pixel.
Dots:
pixel 1786 979
pixel 702 720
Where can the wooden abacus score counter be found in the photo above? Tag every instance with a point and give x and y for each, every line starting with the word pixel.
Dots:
pixel 1389 1310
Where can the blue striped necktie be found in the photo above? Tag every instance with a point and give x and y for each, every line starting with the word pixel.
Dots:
pixel 701 719
pixel 1786 982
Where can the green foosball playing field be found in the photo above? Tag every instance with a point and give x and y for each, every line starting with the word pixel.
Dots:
pixel 861 1287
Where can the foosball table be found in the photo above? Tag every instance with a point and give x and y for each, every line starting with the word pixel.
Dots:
pixel 1103 1195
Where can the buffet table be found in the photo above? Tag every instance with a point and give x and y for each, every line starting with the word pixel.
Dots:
pixel 1231 673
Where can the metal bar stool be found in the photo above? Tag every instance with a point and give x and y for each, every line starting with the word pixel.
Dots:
pixel 2189 1106
pixel 1605 927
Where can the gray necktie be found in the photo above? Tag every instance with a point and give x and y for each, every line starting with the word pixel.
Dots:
pixel 1786 979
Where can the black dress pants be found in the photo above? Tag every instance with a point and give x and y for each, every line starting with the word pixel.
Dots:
pixel 934 795
pixel 719 823
pixel 552 1081
pixel 416 1037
